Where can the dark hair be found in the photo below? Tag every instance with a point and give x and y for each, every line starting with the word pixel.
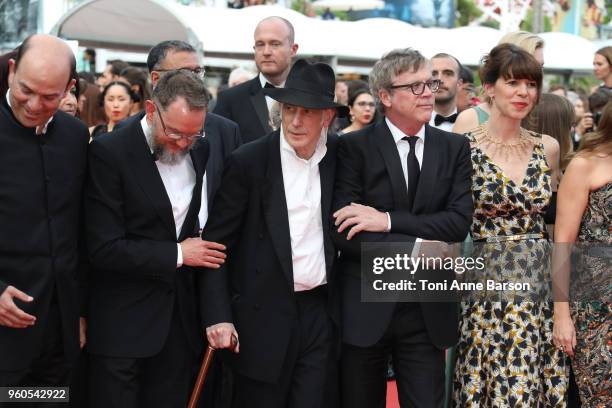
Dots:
pixel 87 76
pixel 136 76
pixel 445 55
pixel 466 75
pixel 554 116
pixel 602 136
pixel 25 46
pixel 184 84
pixel 117 66
pixel 159 52
pixel 558 87
pixel 125 85
pixel 354 94
pixel 599 99
pixel 510 61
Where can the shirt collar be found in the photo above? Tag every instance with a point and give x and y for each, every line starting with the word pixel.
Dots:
pixel 263 80
pixel 146 129
pixel 40 130
pixel 319 153
pixel 450 114
pixel 398 134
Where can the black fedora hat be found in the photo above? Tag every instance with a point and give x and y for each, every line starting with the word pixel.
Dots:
pixel 309 86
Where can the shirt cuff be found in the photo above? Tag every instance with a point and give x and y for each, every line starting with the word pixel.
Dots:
pixel 416 248
pixel 388 222
pixel 179 256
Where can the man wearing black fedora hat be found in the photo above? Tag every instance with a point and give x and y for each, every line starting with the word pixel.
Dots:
pixel 277 291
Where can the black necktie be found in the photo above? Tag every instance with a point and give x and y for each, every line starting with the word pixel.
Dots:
pixel 269 85
pixel 439 119
pixel 414 170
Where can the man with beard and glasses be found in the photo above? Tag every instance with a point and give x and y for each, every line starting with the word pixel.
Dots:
pixel 445 68
pixel 143 202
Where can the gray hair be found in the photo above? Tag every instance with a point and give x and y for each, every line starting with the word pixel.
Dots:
pixel 183 84
pixel 391 65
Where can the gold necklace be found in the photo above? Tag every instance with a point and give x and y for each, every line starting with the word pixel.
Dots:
pixel 516 148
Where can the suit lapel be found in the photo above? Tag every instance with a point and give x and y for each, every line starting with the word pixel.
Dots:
pixel 212 135
pixel 327 170
pixel 388 149
pixel 147 175
pixel 258 100
pixel 199 155
pixel 275 207
pixel 429 171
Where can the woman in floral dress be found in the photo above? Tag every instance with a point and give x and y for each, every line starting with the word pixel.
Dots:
pixel 505 355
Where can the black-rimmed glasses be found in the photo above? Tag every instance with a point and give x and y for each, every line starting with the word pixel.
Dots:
pixel 199 71
pixel 176 136
pixel 418 88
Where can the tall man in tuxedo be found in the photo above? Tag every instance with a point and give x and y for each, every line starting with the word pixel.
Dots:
pixel 142 203
pixel 400 180
pixel 276 293
pixel 43 159
pixel 447 69
pixel 246 103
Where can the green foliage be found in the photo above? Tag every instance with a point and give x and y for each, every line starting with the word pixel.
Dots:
pixel 527 23
pixel 467 11
pixel 490 23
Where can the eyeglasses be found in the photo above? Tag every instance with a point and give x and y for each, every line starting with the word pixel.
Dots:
pixel 177 136
pixel 418 88
pixel 199 71
pixel 363 104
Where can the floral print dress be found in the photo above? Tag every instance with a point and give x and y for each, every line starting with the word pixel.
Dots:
pixel 505 354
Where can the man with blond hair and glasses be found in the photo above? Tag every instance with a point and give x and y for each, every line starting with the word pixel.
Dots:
pixel 400 180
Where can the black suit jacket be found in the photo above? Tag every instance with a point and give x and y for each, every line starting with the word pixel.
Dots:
pixel 245 104
pixel 41 186
pixel 132 243
pixel 223 137
pixel 369 172
pixel 254 289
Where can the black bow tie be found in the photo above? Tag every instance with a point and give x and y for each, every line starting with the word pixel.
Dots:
pixel 269 85
pixel 439 119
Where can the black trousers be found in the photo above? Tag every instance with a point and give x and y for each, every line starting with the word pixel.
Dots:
pixel 305 381
pixel 418 365
pixel 49 369
pixel 163 380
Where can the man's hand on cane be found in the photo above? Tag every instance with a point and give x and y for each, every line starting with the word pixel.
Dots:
pixel 223 335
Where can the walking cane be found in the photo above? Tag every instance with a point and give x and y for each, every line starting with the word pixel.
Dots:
pixel 206 362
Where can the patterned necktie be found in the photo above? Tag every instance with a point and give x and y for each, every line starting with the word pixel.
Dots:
pixel 414 170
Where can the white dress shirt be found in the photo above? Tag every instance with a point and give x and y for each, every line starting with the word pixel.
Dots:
pixel 446 126
pixel 302 182
pixel 269 101
pixel 179 180
pixel 403 148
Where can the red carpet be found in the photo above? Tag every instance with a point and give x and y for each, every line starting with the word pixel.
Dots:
pixel 392 401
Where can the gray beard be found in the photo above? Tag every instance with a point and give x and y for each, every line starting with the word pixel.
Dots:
pixel 165 156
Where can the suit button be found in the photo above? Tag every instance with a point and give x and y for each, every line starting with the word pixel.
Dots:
pixel 169 291
pixel 48 179
pixel 258 271
pixel 256 306
pixel 260 235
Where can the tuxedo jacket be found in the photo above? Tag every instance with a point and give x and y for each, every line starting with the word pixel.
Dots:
pixel 223 137
pixel 41 190
pixel 369 172
pixel 246 105
pixel 254 288
pixel 132 244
